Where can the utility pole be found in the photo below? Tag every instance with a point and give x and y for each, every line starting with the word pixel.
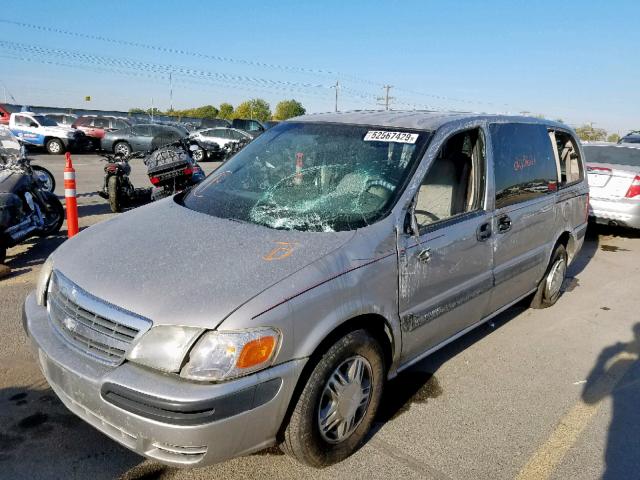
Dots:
pixel 170 93
pixel 386 97
pixel 151 109
pixel 337 87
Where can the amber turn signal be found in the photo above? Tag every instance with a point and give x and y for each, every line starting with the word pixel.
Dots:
pixel 256 352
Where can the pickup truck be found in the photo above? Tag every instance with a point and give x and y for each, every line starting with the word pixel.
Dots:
pixel 36 129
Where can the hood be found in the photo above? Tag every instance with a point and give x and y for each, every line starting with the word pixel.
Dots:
pixel 177 266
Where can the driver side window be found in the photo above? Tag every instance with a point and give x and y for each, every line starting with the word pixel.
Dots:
pixel 454 184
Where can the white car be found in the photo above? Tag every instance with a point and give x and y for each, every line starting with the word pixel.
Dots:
pixel 37 129
pixel 213 140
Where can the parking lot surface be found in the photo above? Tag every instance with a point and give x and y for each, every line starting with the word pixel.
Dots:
pixel 533 394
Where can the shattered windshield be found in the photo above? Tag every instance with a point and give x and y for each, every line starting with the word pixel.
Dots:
pixel 312 177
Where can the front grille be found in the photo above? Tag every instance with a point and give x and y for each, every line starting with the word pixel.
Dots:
pixel 96 328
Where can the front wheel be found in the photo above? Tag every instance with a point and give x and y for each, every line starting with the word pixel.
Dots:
pixel 122 148
pixel 45 176
pixel 338 404
pixel 53 214
pixel 55 146
pixel 550 286
pixel 199 155
pixel 115 202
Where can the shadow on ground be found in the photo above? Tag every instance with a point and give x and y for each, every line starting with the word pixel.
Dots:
pixel 40 438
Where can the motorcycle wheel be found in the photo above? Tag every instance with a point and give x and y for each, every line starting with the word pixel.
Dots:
pixel 53 215
pixel 45 176
pixel 114 194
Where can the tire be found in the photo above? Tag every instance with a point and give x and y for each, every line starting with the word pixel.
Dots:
pixel 53 213
pixel 113 188
pixel 46 177
pixel 550 287
pixel 199 155
pixel 3 251
pixel 55 146
pixel 304 439
pixel 122 148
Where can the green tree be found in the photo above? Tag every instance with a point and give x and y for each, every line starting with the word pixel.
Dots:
pixel 256 108
pixel 137 110
pixel 588 132
pixel 613 138
pixel 225 111
pixel 206 111
pixel 288 109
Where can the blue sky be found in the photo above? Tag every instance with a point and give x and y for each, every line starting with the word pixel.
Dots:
pixel 574 60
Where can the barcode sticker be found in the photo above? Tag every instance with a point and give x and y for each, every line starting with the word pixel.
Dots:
pixel 384 136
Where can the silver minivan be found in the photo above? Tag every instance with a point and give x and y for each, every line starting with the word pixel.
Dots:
pixel 271 303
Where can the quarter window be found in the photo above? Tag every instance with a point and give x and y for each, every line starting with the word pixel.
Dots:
pixel 523 162
pixel 570 166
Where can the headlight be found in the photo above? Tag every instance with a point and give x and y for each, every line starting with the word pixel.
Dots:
pixel 43 282
pixel 164 347
pixel 225 355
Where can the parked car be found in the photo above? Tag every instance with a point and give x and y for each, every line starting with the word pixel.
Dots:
pixel 347 248
pixel 633 138
pixel 140 138
pixel 270 123
pixel 96 126
pixel 214 122
pixel 5 113
pixel 38 130
pixel 62 119
pixel 252 127
pixel 213 140
pixel 614 181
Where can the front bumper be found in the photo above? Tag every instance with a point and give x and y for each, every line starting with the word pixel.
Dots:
pixel 623 211
pixel 160 416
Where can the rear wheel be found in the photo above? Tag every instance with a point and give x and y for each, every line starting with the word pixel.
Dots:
pixel 55 146
pixel 53 215
pixel 550 286
pixel 338 404
pixel 113 189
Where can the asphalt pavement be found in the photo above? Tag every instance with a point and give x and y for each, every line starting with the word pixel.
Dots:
pixel 534 394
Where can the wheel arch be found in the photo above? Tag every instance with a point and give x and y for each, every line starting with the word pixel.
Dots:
pixel 377 325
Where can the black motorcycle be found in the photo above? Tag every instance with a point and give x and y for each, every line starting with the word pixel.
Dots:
pixel 172 168
pixel 28 206
pixel 117 188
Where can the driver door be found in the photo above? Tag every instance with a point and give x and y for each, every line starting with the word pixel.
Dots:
pixel 446 261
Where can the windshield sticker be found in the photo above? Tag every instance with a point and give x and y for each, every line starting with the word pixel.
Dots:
pixel 398 137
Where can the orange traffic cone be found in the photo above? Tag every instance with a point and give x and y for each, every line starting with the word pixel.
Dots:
pixel 70 197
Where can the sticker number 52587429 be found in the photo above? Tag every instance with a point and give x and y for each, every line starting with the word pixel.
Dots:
pixel 384 136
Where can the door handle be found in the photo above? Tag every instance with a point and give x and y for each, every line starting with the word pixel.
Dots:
pixel 424 255
pixel 504 224
pixel 484 231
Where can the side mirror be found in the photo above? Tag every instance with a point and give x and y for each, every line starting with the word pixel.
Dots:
pixel 410 221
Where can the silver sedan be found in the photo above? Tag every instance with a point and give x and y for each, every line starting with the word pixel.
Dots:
pixel 614 183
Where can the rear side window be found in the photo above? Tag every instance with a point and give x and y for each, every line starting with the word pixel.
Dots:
pixel 83 121
pixel 523 162
pixel 22 121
